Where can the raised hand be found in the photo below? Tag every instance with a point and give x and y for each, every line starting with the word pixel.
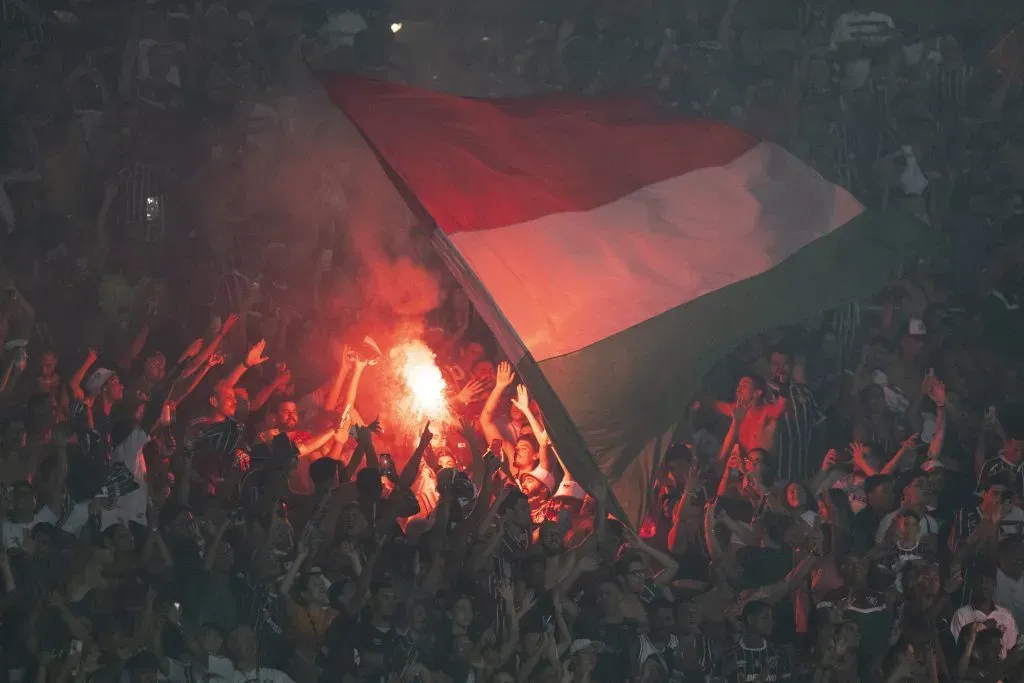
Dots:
pixel 426 436
pixel 735 462
pixel 831 460
pixel 473 391
pixel 364 437
pixel 522 399
pixel 192 350
pixel 911 442
pixel 858 450
pixel 284 375
pixel 341 352
pixel 505 590
pixel 505 375
pixel 228 323
pixel 937 392
pixel 256 354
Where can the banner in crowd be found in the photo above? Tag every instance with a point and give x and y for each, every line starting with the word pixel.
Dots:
pixel 620 251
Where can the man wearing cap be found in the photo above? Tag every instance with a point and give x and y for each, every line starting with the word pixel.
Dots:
pixel 105 389
pixel 906 371
pixel 537 484
pixel 583 654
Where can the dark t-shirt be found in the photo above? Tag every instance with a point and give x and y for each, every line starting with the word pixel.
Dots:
pixel 621 641
pixel 349 642
pixel 870 611
pixel 865 524
pixel 765 566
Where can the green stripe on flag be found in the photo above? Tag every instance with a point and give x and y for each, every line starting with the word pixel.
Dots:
pixel 625 391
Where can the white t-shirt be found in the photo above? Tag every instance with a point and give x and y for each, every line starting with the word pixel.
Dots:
pixel 14 533
pixel 73 522
pixel 131 507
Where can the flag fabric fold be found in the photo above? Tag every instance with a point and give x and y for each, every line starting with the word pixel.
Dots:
pixel 623 250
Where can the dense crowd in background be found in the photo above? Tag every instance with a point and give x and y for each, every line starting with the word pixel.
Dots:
pixel 195 481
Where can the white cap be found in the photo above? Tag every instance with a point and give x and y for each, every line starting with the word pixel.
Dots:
pixel 570 489
pixel 543 476
pixel 96 380
pixel 582 644
pixel 917 328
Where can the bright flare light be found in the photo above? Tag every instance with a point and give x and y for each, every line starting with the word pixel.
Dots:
pixel 396 27
pixel 424 386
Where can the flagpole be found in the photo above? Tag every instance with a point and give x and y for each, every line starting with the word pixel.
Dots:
pixel 564 434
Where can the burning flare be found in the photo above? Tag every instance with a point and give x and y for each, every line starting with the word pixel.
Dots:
pixel 423 396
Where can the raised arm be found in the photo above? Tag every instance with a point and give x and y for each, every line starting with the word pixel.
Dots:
pixel 353 385
pixel 857 450
pixel 252 359
pixel 503 380
pixel 281 380
pixel 906 447
pixel 937 393
pixel 334 393
pixel 669 566
pixel 203 356
pixel 412 468
pixel 677 540
pixel 75 383
pixel 182 390
pixel 732 437
pixel 522 401
pixel 138 343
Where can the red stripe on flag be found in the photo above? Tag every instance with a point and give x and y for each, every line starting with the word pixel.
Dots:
pixel 481 164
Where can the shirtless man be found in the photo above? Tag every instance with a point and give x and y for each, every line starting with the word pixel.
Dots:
pixel 757 425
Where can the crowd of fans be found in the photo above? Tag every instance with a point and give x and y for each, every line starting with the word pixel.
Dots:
pixel 844 503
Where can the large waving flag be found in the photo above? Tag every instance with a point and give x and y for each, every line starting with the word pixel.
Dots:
pixel 618 253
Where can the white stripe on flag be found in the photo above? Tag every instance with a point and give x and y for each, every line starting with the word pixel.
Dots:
pixel 568 280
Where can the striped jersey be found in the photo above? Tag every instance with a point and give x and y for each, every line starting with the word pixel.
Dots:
pixel 793 431
pixel 740 664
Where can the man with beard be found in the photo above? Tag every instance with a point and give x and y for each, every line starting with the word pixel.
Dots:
pixel 285 420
